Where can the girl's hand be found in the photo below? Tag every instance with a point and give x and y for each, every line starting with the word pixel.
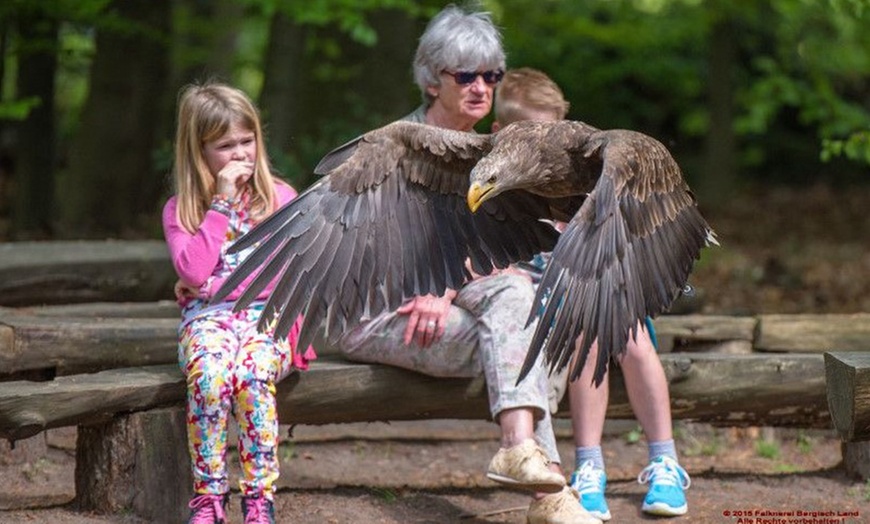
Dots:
pixel 232 178
pixel 184 290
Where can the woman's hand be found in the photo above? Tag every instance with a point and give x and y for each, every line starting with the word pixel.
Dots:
pixel 427 317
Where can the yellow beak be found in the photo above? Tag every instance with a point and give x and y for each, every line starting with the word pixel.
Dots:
pixel 476 194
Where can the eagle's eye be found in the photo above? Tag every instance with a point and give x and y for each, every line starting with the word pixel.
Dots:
pixel 491 180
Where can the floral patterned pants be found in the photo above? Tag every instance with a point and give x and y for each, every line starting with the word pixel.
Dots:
pixel 485 335
pixel 232 369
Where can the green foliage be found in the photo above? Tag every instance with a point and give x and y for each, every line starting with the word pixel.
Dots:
pixel 801 74
pixel 76 53
pixel 348 15
pixel 818 68
pixel 18 109
pixel 616 66
pixel 387 495
pixel 768 449
pixel 856 147
pixel 634 436
pixel 805 443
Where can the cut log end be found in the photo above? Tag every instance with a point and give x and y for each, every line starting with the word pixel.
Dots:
pixel 847 377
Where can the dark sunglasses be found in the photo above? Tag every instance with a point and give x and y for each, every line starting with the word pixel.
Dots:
pixel 464 78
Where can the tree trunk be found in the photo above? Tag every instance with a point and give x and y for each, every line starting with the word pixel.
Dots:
pixel 718 183
pixel 362 88
pixel 111 180
pixel 206 35
pixel 34 174
pixel 136 462
pixel 279 99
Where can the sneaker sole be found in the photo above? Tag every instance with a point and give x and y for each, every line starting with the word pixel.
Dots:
pixel 600 516
pixel 663 510
pixel 530 486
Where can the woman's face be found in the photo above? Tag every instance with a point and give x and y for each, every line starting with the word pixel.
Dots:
pixel 467 103
pixel 238 144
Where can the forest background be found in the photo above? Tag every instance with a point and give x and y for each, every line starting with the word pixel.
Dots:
pixel 743 92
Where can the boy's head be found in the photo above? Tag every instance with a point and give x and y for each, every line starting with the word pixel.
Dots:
pixel 528 94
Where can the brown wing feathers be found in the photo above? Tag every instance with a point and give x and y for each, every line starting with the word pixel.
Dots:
pixel 388 222
pixel 624 256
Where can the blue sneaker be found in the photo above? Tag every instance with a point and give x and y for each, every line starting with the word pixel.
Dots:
pixel 590 483
pixel 667 480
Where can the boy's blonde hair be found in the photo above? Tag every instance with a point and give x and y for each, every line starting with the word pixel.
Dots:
pixel 525 89
pixel 205 113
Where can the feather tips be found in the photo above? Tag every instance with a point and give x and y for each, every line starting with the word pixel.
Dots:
pixel 388 222
pixel 624 256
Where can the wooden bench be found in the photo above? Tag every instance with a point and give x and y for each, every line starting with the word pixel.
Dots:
pixel 111 370
pixel 131 455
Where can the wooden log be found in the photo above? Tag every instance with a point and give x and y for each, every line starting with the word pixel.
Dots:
pixel 84 271
pixel 785 390
pixel 705 333
pixel 813 333
pixel 159 309
pixel 848 394
pixel 76 338
pixel 79 344
pixel 729 390
pixel 26 408
pixel 137 462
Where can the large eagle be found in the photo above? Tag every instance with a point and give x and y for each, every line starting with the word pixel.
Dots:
pixel 404 210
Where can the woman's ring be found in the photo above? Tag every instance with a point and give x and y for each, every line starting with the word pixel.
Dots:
pixel 432 324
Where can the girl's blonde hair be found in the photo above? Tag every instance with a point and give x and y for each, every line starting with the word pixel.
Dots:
pixel 205 113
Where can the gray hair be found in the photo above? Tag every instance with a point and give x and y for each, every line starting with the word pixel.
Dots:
pixel 457 41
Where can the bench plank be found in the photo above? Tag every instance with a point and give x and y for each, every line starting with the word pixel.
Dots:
pixel 705 333
pixel 75 344
pixel 158 309
pixel 90 337
pixel 813 333
pixel 26 408
pixel 60 272
pixel 731 390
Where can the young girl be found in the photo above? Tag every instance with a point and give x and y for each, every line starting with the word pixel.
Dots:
pixel 223 186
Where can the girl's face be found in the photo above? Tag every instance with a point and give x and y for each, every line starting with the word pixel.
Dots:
pixel 238 144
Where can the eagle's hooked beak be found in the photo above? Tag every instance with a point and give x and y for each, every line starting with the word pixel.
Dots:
pixel 477 194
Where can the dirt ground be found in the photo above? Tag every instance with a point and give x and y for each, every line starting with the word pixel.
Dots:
pixel 432 472
pixel 783 250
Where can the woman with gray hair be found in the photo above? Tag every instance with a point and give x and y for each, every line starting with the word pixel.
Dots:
pixel 479 329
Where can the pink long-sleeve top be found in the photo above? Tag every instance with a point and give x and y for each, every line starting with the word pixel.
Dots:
pixel 201 259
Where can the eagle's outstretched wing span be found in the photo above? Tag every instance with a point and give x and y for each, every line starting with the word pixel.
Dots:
pixel 624 256
pixel 387 222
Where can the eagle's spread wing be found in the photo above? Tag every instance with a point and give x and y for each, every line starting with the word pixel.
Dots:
pixel 624 256
pixel 387 222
